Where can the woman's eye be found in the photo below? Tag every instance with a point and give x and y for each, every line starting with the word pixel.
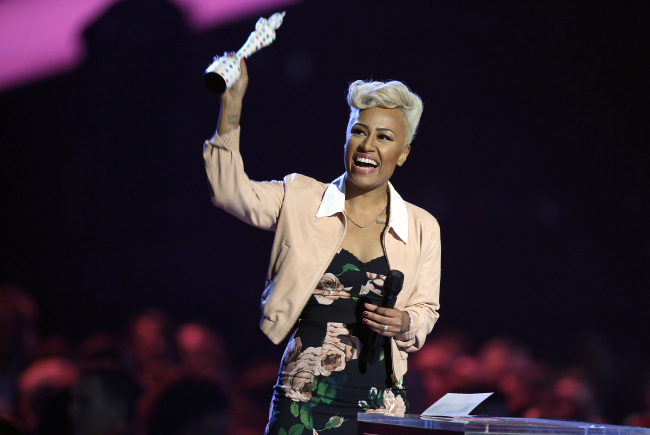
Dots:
pixel 384 137
pixel 358 131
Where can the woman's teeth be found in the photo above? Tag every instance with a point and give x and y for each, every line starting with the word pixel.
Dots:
pixel 366 161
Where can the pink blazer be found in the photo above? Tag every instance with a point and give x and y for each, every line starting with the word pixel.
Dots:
pixel 307 217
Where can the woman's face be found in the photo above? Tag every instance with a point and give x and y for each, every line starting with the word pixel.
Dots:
pixel 375 144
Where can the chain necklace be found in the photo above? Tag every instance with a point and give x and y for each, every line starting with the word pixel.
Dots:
pixel 382 212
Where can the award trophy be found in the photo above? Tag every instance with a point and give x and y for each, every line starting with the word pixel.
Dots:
pixel 224 71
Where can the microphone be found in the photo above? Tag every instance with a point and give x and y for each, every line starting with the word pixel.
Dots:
pixel 392 286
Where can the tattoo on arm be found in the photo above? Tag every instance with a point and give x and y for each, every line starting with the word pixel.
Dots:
pixel 233 119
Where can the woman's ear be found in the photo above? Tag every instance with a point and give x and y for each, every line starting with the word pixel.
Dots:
pixel 404 155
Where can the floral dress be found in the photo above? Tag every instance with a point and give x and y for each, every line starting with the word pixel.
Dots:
pixel 325 379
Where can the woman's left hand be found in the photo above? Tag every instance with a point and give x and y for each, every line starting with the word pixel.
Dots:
pixel 395 321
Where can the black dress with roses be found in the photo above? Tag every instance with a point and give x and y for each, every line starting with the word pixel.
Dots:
pixel 324 378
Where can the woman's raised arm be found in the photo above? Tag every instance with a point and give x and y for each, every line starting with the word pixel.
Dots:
pixel 256 203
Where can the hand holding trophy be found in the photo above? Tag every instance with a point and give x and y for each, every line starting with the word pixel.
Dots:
pixel 225 71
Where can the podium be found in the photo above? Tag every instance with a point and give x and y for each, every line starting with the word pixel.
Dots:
pixel 375 424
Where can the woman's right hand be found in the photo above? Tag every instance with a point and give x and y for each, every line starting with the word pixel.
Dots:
pixel 235 94
pixel 231 101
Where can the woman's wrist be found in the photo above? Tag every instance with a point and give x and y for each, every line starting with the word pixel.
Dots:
pixel 229 117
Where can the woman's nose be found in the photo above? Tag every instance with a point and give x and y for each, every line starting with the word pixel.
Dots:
pixel 368 144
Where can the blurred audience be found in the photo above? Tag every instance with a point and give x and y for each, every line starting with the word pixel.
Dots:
pixel 18 340
pixel 167 380
pixel 100 350
pixel 151 346
pixel 522 386
pixel 249 410
pixel 443 365
pixel 152 356
pixel 574 398
pixel 203 353
pixel 641 419
pixel 190 406
pixel 43 395
pixel 104 402
pixel 499 357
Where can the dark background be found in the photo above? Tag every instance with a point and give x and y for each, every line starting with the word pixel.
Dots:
pixel 532 152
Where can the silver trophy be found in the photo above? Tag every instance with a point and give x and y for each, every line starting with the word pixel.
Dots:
pixel 224 71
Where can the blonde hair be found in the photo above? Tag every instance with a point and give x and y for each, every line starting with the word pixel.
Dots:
pixel 391 95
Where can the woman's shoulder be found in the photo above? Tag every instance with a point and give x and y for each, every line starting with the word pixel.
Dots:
pixel 298 181
pixel 299 184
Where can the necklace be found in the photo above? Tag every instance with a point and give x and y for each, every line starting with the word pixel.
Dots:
pixel 382 212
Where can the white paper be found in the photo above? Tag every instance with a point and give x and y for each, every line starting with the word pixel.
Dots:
pixel 455 405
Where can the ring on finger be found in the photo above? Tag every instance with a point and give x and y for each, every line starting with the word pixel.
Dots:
pixel 385 328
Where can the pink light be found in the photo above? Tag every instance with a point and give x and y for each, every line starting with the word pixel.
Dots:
pixel 205 14
pixel 39 38
pixel 42 37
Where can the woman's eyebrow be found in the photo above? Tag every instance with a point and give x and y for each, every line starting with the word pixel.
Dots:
pixel 378 129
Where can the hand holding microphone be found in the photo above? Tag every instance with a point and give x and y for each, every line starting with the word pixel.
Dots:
pixel 384 320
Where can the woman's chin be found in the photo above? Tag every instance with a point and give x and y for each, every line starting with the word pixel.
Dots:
pixel 365 180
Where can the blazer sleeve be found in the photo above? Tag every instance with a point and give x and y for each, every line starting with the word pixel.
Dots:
pixel 256 203
pixel 424 302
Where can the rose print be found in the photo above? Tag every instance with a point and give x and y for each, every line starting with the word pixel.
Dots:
pixel 376 279
pixel 298 376
pixel 373 283
pixel 297 370
pixel 393 405
pixel 367 288
pixel 338 348
pixel 299 367
pixel 329 289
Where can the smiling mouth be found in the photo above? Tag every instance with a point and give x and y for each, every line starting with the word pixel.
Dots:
pixel 365 163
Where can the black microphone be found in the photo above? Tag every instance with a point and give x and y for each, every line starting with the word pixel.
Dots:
pixel 392 286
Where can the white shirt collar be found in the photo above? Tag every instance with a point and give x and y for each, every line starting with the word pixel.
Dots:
pixel 334 202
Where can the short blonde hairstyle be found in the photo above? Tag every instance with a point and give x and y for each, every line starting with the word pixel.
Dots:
pixel 391 95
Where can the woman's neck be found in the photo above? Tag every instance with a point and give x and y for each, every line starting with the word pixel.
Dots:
pixel 365 202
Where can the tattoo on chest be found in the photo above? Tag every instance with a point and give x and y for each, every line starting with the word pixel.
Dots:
pixel 378 222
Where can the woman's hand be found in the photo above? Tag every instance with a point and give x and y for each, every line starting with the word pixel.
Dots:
pixel 396 321
pixel 231 101
pixel 235 94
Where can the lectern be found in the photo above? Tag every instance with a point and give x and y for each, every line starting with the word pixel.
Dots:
pixel 375 424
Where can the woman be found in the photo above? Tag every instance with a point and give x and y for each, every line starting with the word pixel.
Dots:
pixel 334 245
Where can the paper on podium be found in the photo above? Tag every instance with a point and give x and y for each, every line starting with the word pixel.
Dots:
pixel 455 405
